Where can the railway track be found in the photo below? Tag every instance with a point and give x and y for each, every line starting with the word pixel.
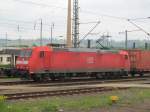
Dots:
pixel 18 96
pixel 88 82
pixel 74 82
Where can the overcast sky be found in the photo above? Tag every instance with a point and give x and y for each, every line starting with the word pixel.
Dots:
pixel 27 14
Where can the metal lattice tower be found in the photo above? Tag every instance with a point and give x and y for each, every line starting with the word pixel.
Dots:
pixel 75 23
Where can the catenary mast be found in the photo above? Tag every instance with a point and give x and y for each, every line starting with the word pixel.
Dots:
pixel 75 23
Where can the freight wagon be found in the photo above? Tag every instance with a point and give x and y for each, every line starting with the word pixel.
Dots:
pixel 58 63
pixel 139 61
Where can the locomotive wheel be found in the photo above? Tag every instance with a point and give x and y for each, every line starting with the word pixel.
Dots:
pixel 141 74
pixel 62 78
pixel 119 75
pixel 106 76
pixel 112 75
pixel 44 77
pixel 52 77
pixel 98 76
pixel 132 74
pixel 24 76
pixel 36 78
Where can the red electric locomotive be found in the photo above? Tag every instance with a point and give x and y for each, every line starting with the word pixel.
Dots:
pixel 58 63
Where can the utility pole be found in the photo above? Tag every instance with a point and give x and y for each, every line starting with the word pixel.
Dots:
pixel 75 23
pixel 20 41
pixel 126 36
pixel 69 34
pixel 52 27
pixel 41 31
pixel 134 45
pixel 6 40
pixel 18 28
pixel 126 39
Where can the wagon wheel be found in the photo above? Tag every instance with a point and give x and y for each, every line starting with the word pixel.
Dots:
pixel 133 74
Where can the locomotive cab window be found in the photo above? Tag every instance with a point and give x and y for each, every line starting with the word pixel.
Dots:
pixel 26 53
pixel 42 54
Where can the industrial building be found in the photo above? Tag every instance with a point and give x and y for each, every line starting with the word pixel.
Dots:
pixel 8 56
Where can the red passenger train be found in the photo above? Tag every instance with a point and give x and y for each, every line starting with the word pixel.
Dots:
pixel 59 63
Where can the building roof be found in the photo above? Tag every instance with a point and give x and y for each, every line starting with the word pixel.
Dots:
pixel 10 51
pixel 85 50
pixel 57 45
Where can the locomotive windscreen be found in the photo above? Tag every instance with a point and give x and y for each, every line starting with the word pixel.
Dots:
pixel 26 53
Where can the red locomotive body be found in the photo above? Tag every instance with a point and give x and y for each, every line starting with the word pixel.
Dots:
pixel 56 62
pixel 140 61
pixel 76 61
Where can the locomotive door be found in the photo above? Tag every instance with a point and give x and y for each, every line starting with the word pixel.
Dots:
pixel 44 61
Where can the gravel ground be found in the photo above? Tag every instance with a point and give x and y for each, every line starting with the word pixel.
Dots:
pixel 47 87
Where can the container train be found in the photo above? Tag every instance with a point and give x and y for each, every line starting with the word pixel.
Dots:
pixel 44 62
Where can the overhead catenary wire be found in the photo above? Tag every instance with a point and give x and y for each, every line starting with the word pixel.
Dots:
pixel 24 22
pixel 83 11
pixel 40 4
pixel 34 23
pixel 135 19
pixel 92 22
pixel 11 35
pixel 140 28
pixel 65 8
pixel 54 6
pixel 89 32
pixel 22 28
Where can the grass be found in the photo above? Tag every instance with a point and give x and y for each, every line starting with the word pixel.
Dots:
pixel 5 66
pixel 6 79
pixel 83 103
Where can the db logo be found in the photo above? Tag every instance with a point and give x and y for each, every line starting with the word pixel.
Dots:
pixel 90 60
